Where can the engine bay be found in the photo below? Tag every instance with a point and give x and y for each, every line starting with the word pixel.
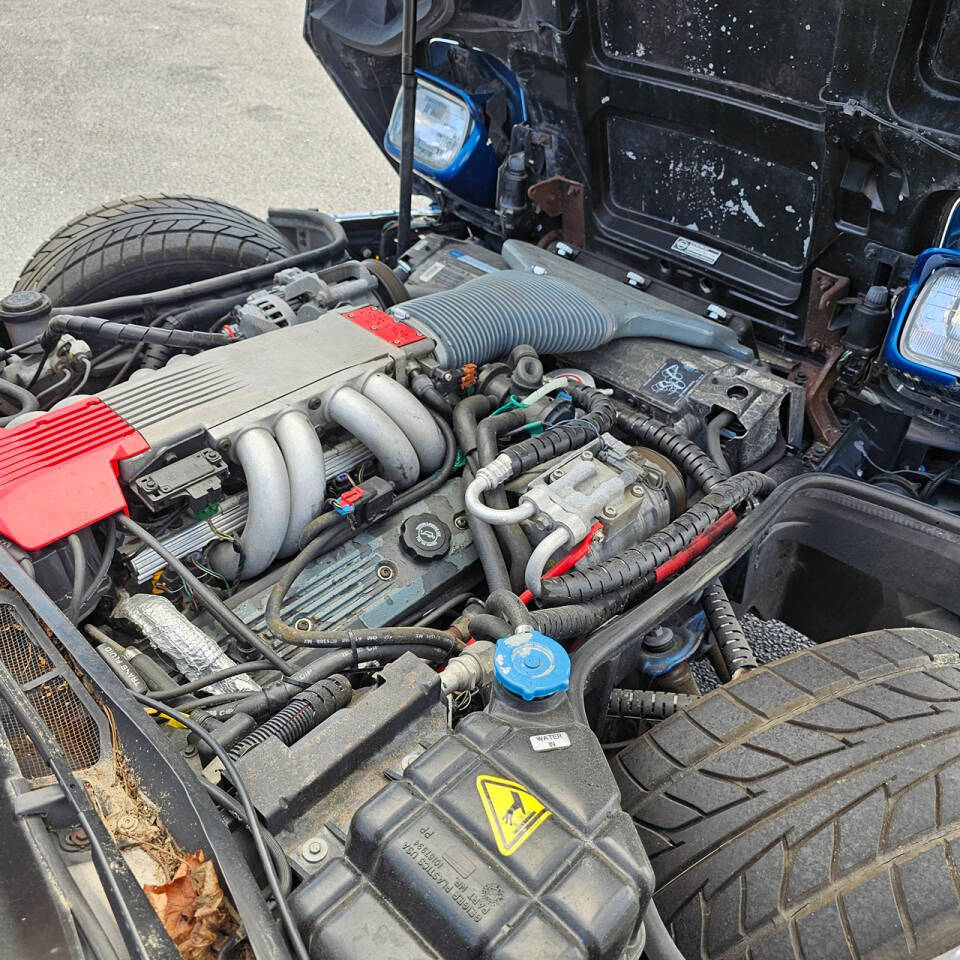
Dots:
pixel 399 560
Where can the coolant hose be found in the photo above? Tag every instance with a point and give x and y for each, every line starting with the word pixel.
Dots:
pixel 409 414
pixel 513 540
pixel 303 456
pixel 636 563
pixel 465 416
pixel 385 440
pixel 268 510
pixel 20 397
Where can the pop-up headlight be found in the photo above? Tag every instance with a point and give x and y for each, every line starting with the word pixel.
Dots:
pixel 450 144
pixel 924 339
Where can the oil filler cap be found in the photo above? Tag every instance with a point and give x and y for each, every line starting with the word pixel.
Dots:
pixel 425 536
pixel 531 665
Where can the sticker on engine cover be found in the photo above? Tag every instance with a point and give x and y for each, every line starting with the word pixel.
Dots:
pixel 513 811
pixel 674 379
pixel 695 251
pixel 550 741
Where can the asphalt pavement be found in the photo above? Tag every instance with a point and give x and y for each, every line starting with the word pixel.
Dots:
pixel 101 99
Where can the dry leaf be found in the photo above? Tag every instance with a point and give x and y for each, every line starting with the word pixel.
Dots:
pixel 192 908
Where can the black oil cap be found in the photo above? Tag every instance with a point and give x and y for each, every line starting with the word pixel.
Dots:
pixel 426 536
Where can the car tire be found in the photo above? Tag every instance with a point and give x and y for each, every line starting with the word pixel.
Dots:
pixel 141 244
pixel 811 808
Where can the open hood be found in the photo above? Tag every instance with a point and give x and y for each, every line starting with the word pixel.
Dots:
pixel 729 148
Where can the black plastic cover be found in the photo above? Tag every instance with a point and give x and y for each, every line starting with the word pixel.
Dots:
pixel 504 840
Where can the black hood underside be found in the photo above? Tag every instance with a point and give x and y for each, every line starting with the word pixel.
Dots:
pixel 734 145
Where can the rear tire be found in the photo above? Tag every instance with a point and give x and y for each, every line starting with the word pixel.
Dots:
pixel 141 244
pixel 811 808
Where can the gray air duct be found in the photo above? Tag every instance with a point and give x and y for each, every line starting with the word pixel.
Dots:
pixel 557 307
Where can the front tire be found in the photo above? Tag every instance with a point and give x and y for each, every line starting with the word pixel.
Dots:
pixel 140 244
pixel 811 808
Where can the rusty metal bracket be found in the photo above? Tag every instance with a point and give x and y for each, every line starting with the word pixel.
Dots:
pixel 560 197
pixel 826 292
pixel 817 380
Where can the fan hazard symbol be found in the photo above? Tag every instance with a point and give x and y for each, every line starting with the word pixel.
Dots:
pixel 513 811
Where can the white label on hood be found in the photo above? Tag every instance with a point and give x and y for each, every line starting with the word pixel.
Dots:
pixel 696 251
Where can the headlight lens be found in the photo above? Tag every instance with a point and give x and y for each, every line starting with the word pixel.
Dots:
pixel 931 333
pixel 442 126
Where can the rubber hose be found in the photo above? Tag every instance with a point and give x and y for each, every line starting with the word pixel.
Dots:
pixel 79 577
pixel 647 704
pixel 182 689
pixel 714 446
pixel 513 540
pixel 98 328
pixel 506 605
pixel 375 636
pixel 466 417
pixel 485 626
pixel 106 558
pixel 308 709
pixel 274 696
pixel 227 281
pixel 571 435
pixel 637 562
pixel 423 389
pixel 409 414
pixel 731 640
pixel 156 355
pixel 20 396
pixel 684 453
pixel 494 566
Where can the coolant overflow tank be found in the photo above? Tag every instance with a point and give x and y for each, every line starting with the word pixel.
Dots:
pixel 504 841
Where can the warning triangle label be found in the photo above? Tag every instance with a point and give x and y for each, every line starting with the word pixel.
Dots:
pixel 513 811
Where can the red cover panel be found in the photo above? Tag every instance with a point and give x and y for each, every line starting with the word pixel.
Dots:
pixel 382 325
pixel 58 473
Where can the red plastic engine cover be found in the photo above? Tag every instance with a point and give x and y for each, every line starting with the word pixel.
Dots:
pixel 58 473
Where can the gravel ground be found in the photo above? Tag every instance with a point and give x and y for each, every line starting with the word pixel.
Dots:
pixel 107 99
pixel 769 639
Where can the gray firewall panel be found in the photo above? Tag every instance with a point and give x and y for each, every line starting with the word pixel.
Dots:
pixel 229 389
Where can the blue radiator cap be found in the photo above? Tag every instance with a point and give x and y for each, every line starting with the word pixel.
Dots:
pixel 531 665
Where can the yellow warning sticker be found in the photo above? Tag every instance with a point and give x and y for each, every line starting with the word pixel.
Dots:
pixel 513 811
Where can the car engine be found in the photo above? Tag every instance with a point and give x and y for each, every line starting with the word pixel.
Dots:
pixel 400 570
